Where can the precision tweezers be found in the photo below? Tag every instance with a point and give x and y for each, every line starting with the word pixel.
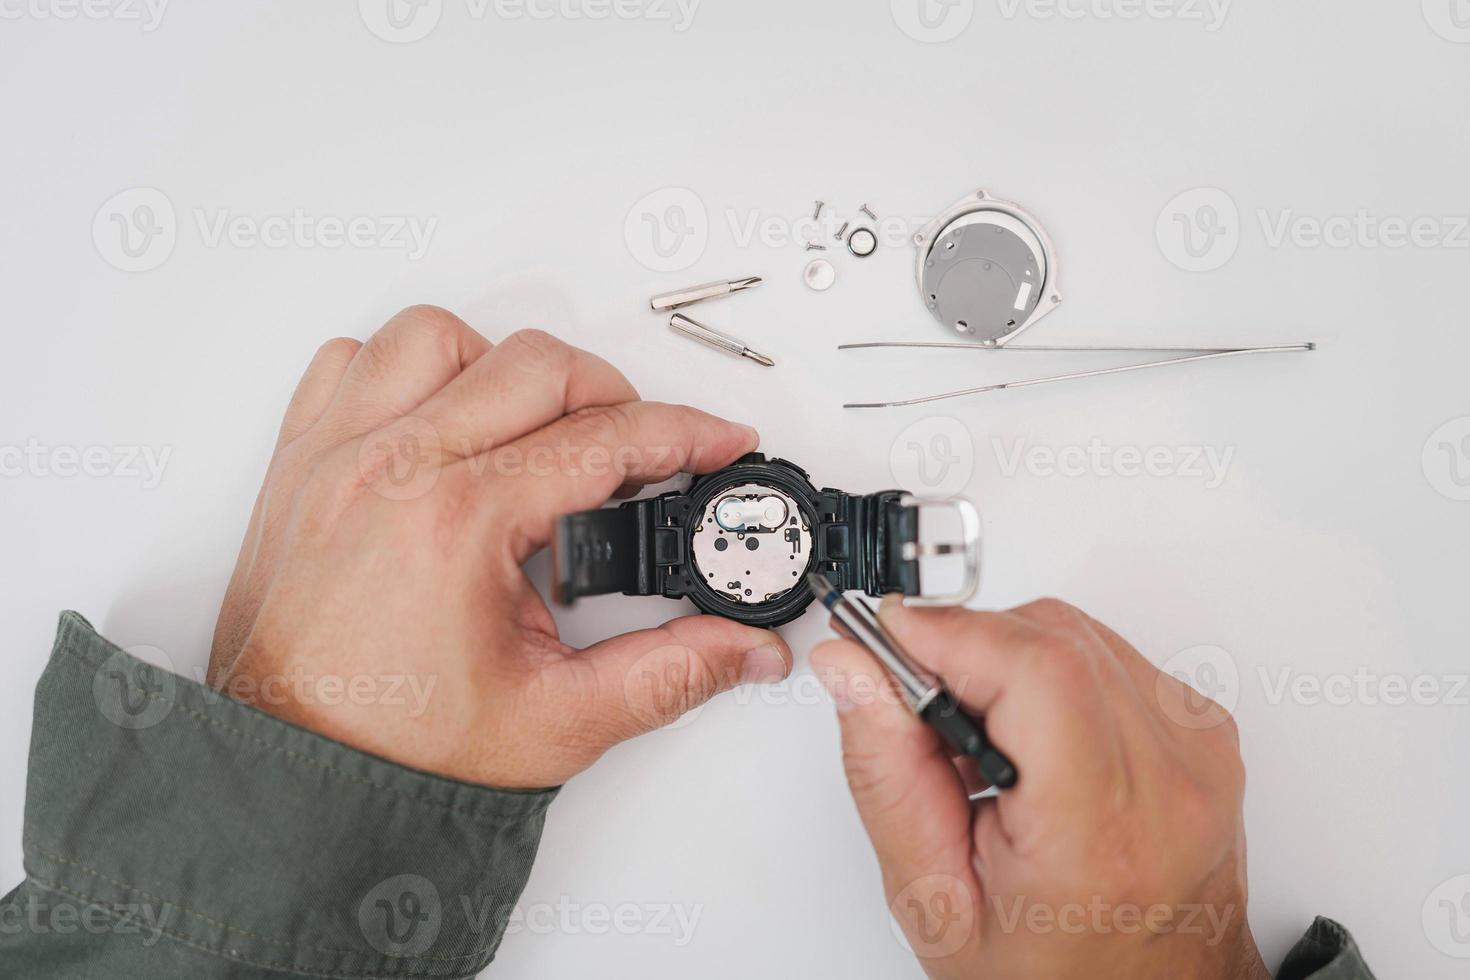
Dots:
pixel 1193 354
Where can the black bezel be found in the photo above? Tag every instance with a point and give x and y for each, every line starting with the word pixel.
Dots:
pixel 779 475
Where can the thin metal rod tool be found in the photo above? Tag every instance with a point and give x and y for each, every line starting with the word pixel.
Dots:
pixel 1208 355
pixel 679 298
pixel 695 330
pixel 1151 348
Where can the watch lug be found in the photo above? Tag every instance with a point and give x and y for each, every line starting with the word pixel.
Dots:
pixel 847 540
pixel 637 549
pixel 668 536
pixel 871 543
pixel 668 545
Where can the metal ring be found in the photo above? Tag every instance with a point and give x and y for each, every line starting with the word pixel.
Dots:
pixel 869 242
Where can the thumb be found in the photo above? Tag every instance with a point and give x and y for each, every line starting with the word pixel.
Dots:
pixel 648 679
pixel 911 798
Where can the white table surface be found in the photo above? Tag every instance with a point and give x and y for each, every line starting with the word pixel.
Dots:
pixel 1332 547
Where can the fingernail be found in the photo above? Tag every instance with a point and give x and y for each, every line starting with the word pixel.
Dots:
pixel 763 665
pixel 755 437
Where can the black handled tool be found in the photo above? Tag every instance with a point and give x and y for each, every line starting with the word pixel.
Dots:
pixel 928 697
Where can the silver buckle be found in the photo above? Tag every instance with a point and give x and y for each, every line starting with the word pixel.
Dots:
pixel 968 546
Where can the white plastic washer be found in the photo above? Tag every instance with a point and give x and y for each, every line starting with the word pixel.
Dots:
pixel 820 275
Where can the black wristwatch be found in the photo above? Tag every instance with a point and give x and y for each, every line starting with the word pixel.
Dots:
pixel 740 542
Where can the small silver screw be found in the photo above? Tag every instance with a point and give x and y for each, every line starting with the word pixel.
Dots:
pixel 868 211
pixel 817 214
pixel 814 247
pixel 843 230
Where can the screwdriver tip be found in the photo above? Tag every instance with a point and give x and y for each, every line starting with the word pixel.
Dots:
pixel 760 358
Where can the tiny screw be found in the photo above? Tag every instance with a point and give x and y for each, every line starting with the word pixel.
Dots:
pixel 814 247
pixel 817 214
pixel 843 230
pixel 868 211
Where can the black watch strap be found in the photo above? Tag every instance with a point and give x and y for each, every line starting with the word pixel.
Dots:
pixel 868 542
pixel 601 551
pixel 617 549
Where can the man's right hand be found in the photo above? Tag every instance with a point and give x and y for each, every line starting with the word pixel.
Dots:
pixel 1120 853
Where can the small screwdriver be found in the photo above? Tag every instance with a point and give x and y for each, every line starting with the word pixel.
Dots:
pixel 680 298
pixel 695 330
pixel 926 694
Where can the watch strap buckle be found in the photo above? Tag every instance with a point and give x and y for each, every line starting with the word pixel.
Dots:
pixel 966 546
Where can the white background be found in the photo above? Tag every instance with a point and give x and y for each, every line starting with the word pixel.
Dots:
pixel 1334 544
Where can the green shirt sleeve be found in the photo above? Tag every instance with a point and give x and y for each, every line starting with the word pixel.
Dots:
pixel 171 832
pixel 174 834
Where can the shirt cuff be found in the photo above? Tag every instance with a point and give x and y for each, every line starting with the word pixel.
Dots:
pixel 237 835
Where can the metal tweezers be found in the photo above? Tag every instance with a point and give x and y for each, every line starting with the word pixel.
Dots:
pixel 1192 354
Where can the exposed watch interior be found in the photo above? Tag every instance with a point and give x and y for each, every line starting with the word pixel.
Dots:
pixel 739 543
pixel 752 543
